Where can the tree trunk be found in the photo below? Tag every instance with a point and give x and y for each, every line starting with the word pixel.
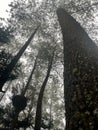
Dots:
pixel 40 97
pixel 10 67
pixel 14 121
pixel 30 78
pixel 80 75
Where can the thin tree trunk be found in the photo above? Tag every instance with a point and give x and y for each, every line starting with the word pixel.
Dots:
pixel 40 97
pixel 80 75
pixel 14 121
pixel 23 93
pixel 10 67
pixel 30 77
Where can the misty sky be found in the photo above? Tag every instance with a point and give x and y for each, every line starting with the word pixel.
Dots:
pixel 4 7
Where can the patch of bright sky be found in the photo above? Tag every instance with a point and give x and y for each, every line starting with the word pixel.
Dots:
pixel 3 7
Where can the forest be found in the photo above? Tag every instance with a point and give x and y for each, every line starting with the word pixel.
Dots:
pixel 48 65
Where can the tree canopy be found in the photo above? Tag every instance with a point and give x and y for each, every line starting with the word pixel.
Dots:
pixel 26 15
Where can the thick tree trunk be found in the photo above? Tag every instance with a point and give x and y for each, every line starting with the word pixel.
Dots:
pixel 10 67
pixel 40 97
pixel 80 75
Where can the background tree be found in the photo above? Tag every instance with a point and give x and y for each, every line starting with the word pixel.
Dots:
pixel 9 68
pixel 41 93
pixel 5 59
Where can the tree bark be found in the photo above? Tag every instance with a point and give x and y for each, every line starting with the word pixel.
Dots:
pixel 40 97
pixel 10 67
pixel 80 75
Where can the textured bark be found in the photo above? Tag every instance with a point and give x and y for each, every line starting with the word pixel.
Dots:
pixel 40 98
pixel 10 67
pixel 80 75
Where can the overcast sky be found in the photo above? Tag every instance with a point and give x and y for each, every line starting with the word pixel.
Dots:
pixel 4 7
